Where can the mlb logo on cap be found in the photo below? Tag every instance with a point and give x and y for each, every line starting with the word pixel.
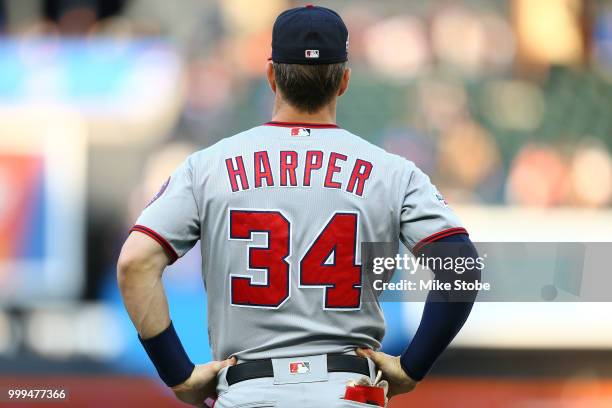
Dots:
pixel 299 367
pixel 312 53
pixel 300 132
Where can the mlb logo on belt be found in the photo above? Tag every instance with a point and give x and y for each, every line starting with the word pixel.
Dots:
pixel 299 367
pixel 300 132
pixel 312 54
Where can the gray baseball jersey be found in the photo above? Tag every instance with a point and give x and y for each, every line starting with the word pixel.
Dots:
pixel 280 211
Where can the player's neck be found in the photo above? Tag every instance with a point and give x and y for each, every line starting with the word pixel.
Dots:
pixel 286 113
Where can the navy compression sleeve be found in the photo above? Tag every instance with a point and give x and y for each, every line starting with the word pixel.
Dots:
pixel 445 312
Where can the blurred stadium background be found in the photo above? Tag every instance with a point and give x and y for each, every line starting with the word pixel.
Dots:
pixel 506 103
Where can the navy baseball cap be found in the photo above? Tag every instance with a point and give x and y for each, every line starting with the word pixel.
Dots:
pixel 309 35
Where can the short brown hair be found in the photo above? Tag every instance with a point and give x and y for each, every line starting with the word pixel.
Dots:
pixel 308 87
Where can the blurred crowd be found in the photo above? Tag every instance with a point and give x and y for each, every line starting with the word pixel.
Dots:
pixel 500 101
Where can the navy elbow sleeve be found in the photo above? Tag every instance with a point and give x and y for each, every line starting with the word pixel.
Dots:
pixel 445 312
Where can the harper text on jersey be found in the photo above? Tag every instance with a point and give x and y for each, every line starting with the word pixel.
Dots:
pixel 297 170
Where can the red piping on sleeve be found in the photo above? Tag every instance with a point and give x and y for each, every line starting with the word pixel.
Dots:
pixel 438 235
pixel 160 240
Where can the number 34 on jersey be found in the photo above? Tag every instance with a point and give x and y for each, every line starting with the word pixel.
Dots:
pixel 340 278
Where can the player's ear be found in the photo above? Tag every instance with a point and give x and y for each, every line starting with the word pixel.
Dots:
pixel 344 84
pixel 270 75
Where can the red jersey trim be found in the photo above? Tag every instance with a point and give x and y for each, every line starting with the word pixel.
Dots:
pixel 160 240
pixel 304 125
pixel 437 236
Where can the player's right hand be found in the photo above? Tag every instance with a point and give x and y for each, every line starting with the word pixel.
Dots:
pixel 202 383
pixel 399 381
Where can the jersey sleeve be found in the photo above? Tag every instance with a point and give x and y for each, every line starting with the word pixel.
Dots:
pixel 425 216
pixel 171 218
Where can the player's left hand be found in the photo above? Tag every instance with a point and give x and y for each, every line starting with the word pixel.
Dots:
pixel 399 381
pixel 202 383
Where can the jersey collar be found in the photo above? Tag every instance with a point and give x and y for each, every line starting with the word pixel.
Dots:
pixel 305 125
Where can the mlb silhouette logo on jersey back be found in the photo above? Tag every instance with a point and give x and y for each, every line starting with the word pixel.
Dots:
pixel 300 132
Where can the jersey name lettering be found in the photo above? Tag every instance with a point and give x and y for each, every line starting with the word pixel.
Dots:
pixel 298 170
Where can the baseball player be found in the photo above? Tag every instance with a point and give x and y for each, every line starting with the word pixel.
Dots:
pixel 280 211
